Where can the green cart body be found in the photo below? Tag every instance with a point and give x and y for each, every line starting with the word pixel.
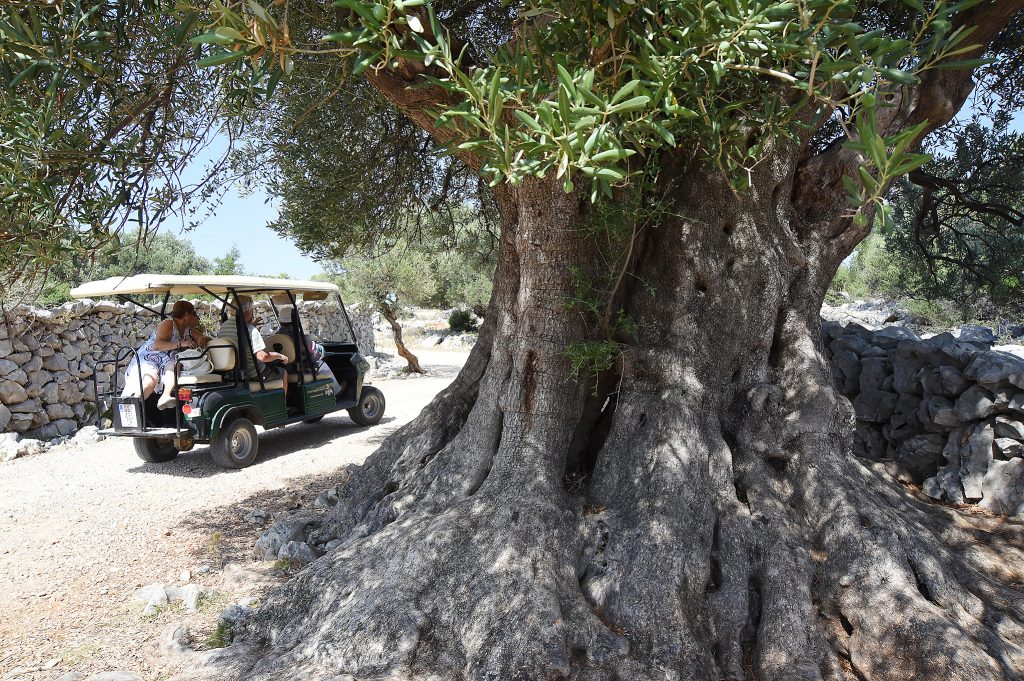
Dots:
pixel 223 407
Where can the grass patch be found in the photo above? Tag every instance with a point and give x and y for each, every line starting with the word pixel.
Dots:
pixel 214 545
pixel 221 637
pixel 80 654
pixel 213 602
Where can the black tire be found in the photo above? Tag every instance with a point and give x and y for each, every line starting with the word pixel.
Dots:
pixel 236 444
pixel 370 409
pixel 315 419
pixel 155 450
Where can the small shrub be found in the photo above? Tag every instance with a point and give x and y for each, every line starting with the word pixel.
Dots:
pixel 835 298
pixel 932 313
pixel 81 655
pixel 592 356
pixel 213 602
pixel 461 321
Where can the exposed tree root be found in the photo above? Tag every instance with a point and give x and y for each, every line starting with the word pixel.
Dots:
pixel 469 589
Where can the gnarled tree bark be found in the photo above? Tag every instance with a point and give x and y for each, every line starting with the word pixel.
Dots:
pixel 724 530
pixel 698 515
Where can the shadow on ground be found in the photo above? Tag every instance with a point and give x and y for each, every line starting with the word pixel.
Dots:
pixel 229 537
pixel 433 371
pixel 272 444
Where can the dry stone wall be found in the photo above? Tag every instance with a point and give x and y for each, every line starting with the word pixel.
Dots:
pixel 946 412
pixel 47 356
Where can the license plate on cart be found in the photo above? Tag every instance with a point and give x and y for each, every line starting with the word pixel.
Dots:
pixel 128 415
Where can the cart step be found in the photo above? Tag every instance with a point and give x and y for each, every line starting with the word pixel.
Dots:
pixel 149 432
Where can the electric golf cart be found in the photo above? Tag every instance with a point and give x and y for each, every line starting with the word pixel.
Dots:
pixel 223 406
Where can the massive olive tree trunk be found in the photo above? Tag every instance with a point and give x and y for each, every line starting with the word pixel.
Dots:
pixel 697 516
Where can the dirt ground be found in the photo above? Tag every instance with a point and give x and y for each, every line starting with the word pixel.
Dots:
pixel 81 529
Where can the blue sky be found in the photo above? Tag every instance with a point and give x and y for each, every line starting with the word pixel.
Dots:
pixel 242 221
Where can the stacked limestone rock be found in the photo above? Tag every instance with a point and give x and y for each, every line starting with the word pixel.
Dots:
pixel 47 357
pixel 948 412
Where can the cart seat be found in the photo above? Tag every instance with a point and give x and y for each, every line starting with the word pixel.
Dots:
pixel 254 386
pixel 306 378
pixel 222 354
pixel 282 342
pixel 200 379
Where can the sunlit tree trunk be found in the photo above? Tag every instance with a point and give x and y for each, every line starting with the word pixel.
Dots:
pixel 697 515
pixel 694 512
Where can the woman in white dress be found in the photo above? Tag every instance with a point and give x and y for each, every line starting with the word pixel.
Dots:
pixel 157 354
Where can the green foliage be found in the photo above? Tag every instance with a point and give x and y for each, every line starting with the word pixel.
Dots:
pixel 55 293
pixel 163 253
pixel 127 254
pixel 222 636
pixel 955 252
pixel 961 218
pixel 461 321
pixel 347 170
pixel 612 228
pixel 229 263
pixel 935 314
pixel 101 106
pixel 592 356
pixel 728 81
pixel 393 279
pixel 872 272
pixel 103 103
pixel 438 268
pixel 462 261
pixel 461 282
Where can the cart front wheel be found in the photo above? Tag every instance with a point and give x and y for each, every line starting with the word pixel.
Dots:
pixel 235 445
pixel 370 409
pixel 155 450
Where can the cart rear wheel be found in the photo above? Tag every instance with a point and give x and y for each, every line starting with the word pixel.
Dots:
pixel 370 409
pixel 236 444
pixel 155 450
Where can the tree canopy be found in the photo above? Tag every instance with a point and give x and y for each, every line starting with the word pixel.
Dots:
pixel 961 217
pixel 102 106
pixel 590 93
pixel 127 254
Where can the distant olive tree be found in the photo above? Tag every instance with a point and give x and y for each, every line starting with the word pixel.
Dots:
pixel 391 281
pixel 229 263
pixel 955 249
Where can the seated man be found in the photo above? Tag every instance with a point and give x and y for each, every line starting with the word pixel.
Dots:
pixel 229 329
pixel 316 351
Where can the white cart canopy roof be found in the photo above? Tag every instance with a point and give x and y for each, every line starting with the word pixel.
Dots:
pixel 177 285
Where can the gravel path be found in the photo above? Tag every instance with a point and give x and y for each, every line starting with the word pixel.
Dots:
pixel 82 529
